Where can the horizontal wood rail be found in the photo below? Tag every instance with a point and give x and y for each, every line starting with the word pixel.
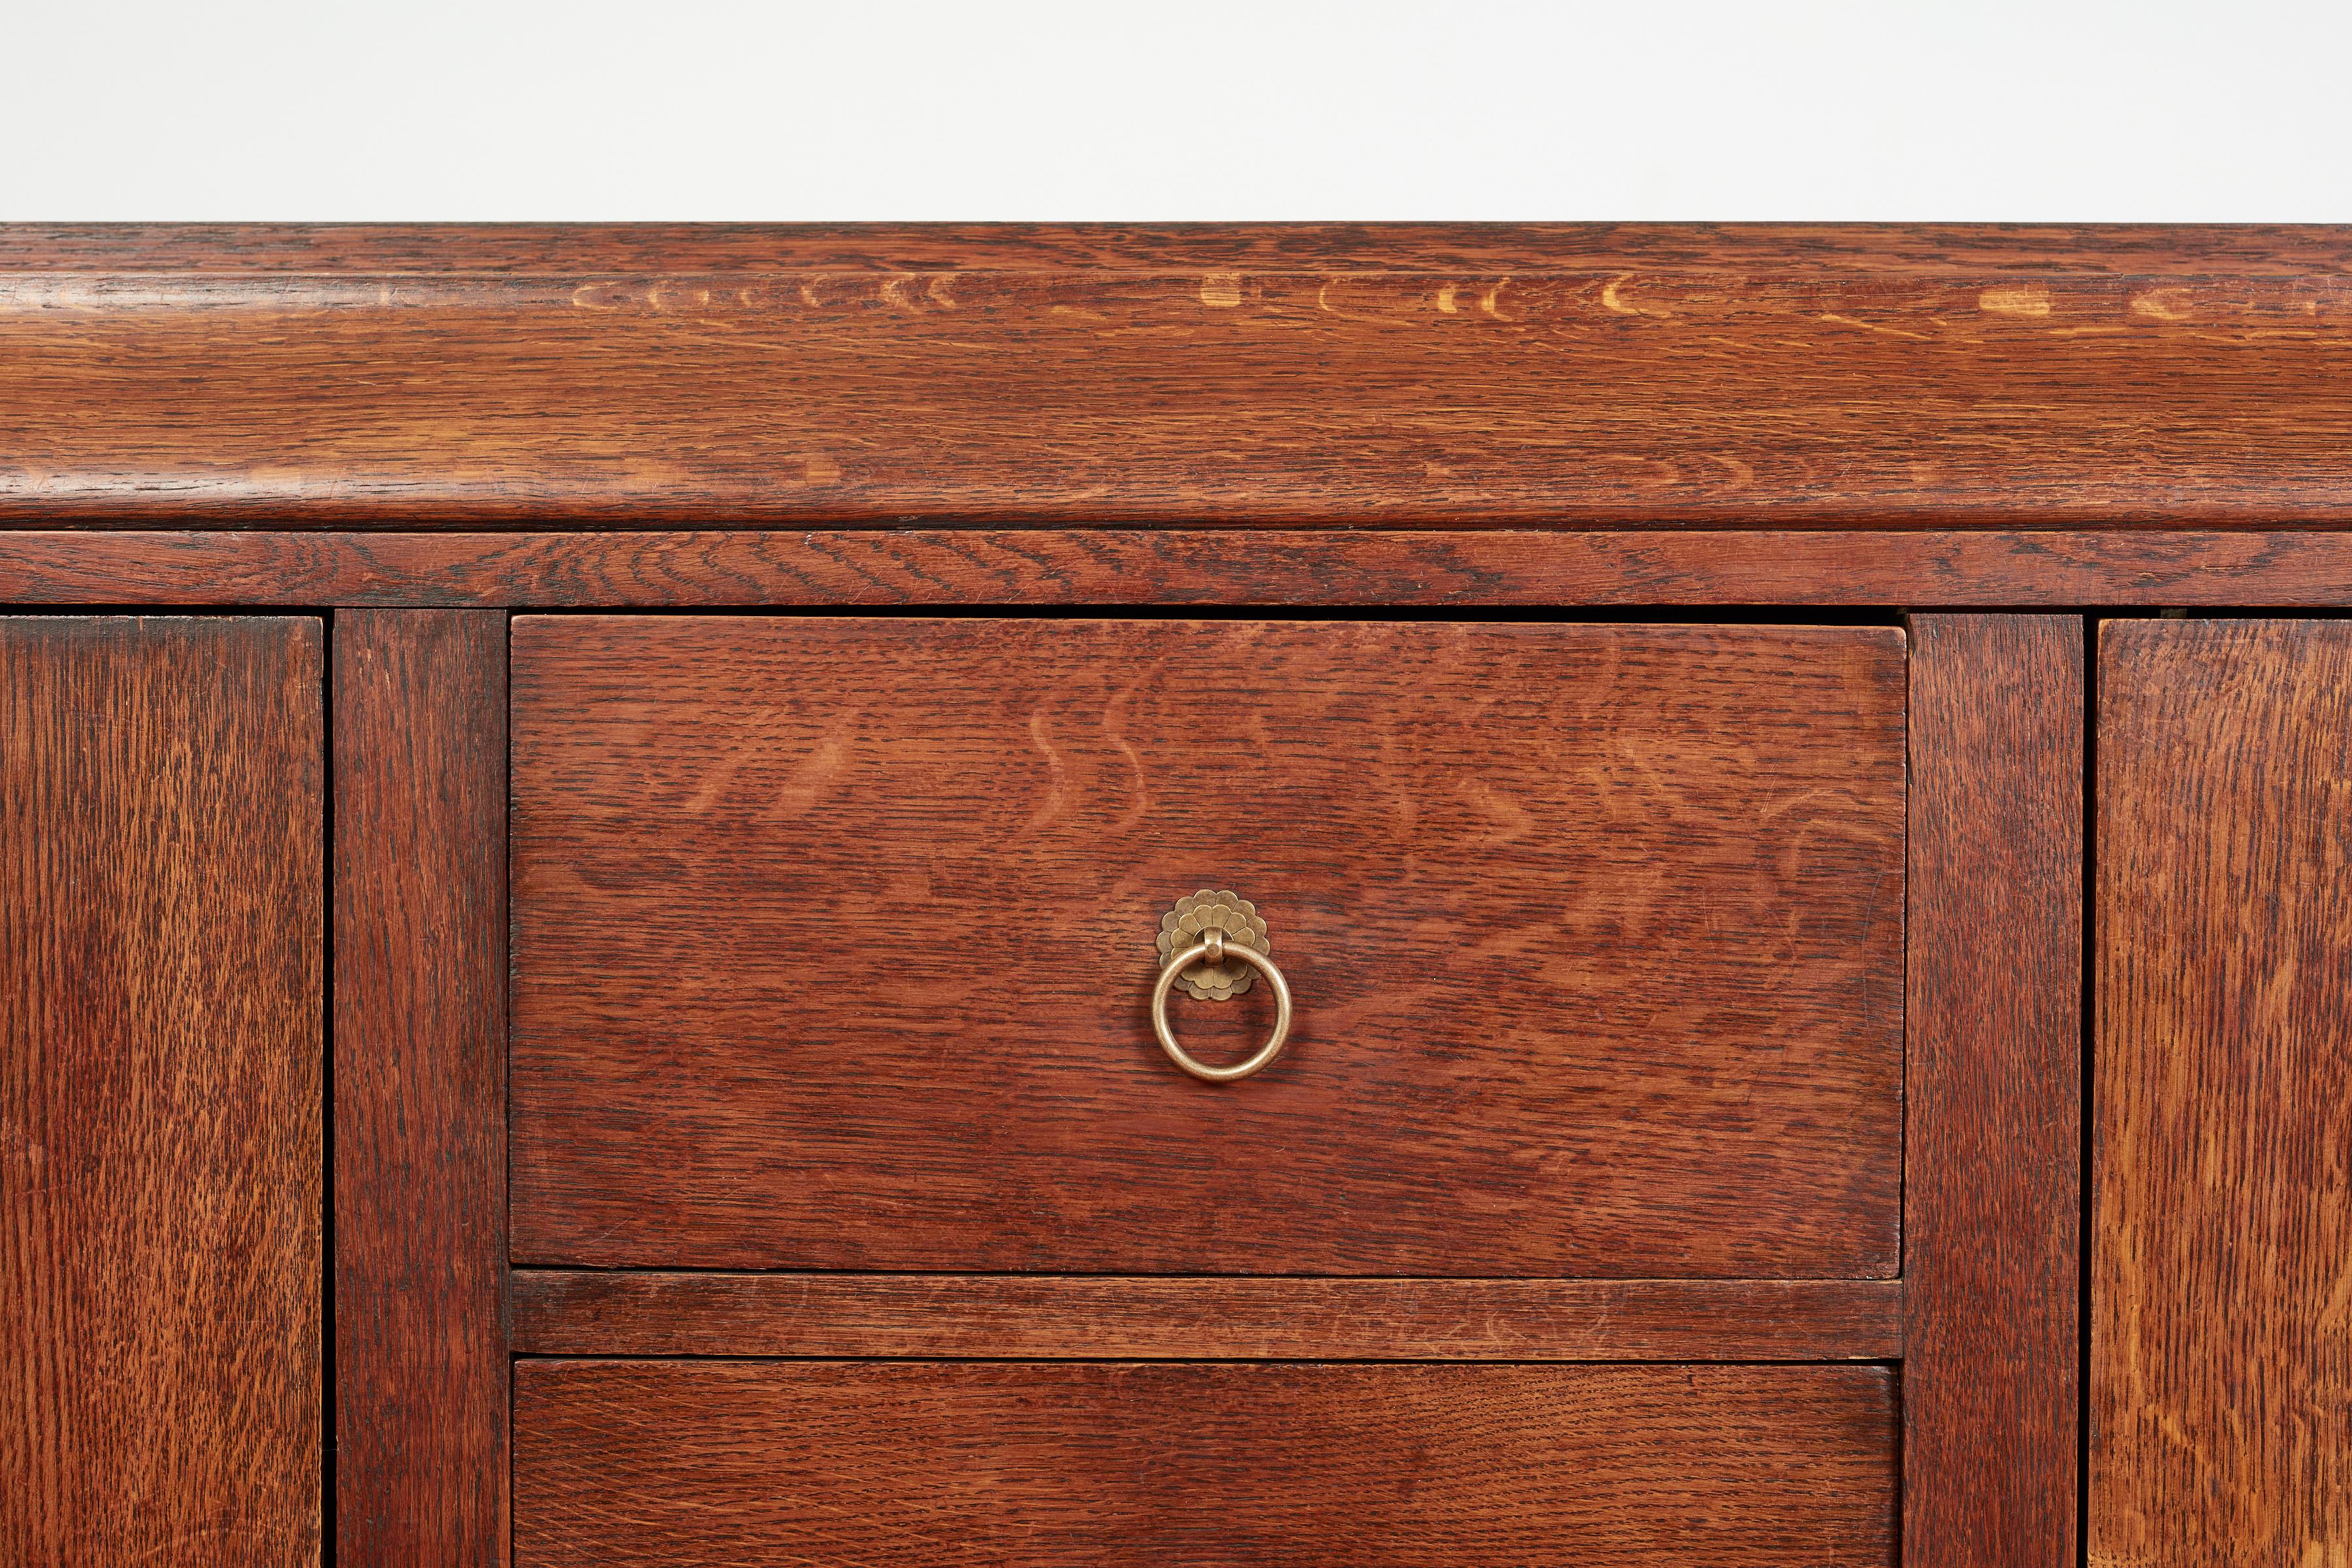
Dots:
pixel 881 568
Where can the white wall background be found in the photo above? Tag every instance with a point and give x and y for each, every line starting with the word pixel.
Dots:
pixel 2068 109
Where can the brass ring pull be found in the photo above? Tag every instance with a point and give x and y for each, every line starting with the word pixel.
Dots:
pixel 1228 929
pixel 1183 1058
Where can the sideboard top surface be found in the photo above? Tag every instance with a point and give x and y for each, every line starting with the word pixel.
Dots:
pixel 1455 377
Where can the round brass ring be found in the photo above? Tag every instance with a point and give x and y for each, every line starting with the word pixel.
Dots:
pixel 1266 1053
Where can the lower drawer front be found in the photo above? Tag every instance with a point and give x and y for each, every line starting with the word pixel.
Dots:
pixel 839 1462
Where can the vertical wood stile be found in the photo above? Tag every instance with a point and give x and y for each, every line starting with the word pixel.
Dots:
pixel 1993 1114
pixel 419 1048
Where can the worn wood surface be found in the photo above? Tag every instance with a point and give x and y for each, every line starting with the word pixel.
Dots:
pixel 1460 569
pixel 744 1463
pixel 2221 1283
pixel 419 871
pixel 161 937
pixel 644 1313
pixel 833 945
pixel 1993 1092
pixel 1431 376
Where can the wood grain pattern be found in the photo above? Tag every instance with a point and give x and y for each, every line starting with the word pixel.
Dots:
pixel 833 939
pixel 1464 569
pixel 644 1313
pixel 1311 377
pixel 621 1463
pixel 162 940
pixel 420 1168
pixel 2221 1283
pixel 1993 1092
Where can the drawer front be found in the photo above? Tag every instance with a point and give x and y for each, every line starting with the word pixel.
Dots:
pixel 834 943
pixel 750 1463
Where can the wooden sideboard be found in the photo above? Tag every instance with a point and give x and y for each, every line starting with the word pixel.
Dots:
pixel 611 946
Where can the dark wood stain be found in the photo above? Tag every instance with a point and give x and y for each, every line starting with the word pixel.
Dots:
pixel 420 1337
pixel 857 1462
pixel 646 1313
pixel 833 941
pixel 1417 376
pixel 1993 1092
pixel 1040 569
pixel 427 427
pixel 2221 1283
pixel 161 934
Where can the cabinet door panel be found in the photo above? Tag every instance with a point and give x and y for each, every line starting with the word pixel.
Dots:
pixel 2222 1292
pixel 160 1023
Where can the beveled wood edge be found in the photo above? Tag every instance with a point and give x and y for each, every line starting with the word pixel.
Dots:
pixel 1438 376
pixel 586 1312
pixel 1465 569
pixel 1993 1091
pixel 525 250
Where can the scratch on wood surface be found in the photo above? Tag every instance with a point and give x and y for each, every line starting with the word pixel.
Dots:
pixel 2025 300
pixel 2164 304
pixel 1837 320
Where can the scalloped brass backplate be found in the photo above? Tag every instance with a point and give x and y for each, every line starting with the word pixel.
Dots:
pixel 1206 911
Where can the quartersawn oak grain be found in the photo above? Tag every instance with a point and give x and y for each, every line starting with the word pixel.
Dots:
pixel 623 1463
pixel 644 1313
pixel 1462 568
pixel 833 940
pixel 420 1167
pixel 2221 1268
pixel 161 941
pixel 1587 375
pixel 1993 1092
